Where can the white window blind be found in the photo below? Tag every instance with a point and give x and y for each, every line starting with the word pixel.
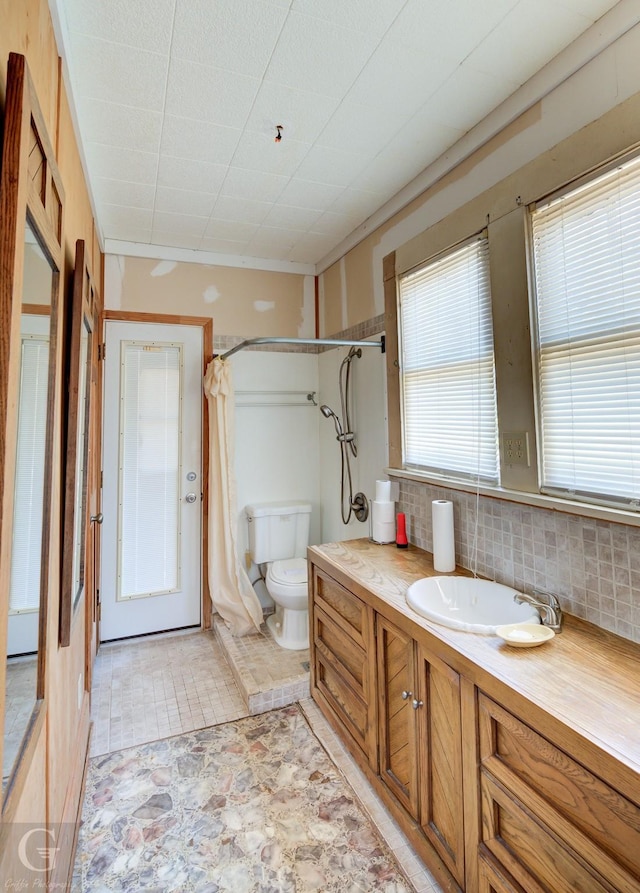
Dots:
pixel 447 370
pixel 29 479
pixel 586 247
pixel 149 501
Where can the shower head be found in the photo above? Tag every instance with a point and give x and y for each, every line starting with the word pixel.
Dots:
pixel 326 411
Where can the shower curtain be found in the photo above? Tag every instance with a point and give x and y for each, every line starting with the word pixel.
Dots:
pixel 231 590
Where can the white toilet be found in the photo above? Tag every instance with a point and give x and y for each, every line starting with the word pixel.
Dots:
pixel 278 537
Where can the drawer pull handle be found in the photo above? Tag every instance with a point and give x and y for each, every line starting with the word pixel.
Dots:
pixel 415 704
pixel 406 695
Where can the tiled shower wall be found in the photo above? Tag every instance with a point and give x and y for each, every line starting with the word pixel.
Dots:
pixel 592 566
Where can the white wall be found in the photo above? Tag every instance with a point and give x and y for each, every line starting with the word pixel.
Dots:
pixel 276 447
pixel 369 420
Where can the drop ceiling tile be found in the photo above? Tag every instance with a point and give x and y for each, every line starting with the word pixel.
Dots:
pixel 364 129
pixel 337 225
pixel 509 52
pixel 259 152
pixel 120 215
pixel 357 202
pixel 182 173
pixel 451 29
pixel 373 16
pixel 120 125
pixel 305 193
pixel 120 192
pixel 198 140
pixel 183 224
pixel 382 175
pixel 278 240
pixel 182 201
pixel 222 246
pixel 114 163
pixel 420 142
pixel 145 25
pixel 127 232
pixel 113 73
pixel 331 166
pixel 230 230
pixel 310 252
pixel 238 35
pixel 175 240
pixel 257 185
pixel 467 97
pixel 209 94
pixel 287 217
pixel 303 114
pixel 240 210
pixel 593 9
pixel 388 82
pixel 318 56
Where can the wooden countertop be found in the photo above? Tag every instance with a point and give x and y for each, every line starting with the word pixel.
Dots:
pixel 586 679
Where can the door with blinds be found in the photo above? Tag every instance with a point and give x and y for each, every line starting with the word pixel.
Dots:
pixel 24 590
pixel 152 479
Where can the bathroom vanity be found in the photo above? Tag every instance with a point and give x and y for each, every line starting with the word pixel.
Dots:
pixel 510 770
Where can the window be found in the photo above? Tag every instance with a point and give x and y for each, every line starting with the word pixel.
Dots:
pixel 586 255
pixel 447 366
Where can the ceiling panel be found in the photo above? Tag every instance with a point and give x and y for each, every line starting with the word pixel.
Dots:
pixel 177 103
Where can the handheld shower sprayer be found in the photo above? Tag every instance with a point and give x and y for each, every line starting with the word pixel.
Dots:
pixel 358 504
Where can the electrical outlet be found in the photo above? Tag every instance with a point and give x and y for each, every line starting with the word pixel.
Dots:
pixel 515 448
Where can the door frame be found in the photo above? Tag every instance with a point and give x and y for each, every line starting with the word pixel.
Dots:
pixel 206 324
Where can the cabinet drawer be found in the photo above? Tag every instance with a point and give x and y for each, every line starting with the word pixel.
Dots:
pixel 330 639
pixel 594 819
pixel 344 608
pixel 531 853
pixel 348 706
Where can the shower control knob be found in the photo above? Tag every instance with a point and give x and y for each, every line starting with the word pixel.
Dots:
pixel 191 497
pixel 406 695
pixel 192 476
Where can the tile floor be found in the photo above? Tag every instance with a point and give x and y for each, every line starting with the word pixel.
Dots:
pixel 20 699
pixel 156 687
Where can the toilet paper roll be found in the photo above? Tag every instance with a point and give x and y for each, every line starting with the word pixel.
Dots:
pixel 383 531
pixel 383 491
pixel 444 553
pixel 384 511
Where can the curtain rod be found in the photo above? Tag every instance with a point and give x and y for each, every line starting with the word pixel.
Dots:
pixel 324 341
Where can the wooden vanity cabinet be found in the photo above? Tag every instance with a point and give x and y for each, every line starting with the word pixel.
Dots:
pixel 548 819
pixel 343 663
pixel 420 739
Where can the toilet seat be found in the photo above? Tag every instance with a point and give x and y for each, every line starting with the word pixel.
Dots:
pixel 288 571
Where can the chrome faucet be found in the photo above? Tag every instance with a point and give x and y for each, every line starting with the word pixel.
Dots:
pixel 549 610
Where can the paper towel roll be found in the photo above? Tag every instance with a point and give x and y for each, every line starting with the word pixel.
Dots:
pixel 444 553
pixel 383 491
pixel 384 511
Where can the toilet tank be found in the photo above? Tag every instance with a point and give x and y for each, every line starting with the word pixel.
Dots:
pixel 278 530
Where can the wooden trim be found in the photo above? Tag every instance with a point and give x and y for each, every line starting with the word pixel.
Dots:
pixel 22 766
pixel 470 774
pixel 36 309
pixel 316 293
pixel 206 323
pixel 167 319
pixel 392 358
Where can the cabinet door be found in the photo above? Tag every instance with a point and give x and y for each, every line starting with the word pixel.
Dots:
pixel 440 760
pixel 397 716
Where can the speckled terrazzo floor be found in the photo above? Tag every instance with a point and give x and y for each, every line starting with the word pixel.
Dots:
pixel 251 805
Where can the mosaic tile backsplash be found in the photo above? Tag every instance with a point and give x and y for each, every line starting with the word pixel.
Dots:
pixel 592 566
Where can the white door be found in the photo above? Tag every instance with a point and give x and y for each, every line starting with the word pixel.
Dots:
pixel 152 485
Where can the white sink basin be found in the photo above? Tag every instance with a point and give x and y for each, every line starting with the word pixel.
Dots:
pixel 476 606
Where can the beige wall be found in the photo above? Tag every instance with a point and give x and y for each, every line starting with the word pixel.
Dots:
pixel 51 793
pixel 253 303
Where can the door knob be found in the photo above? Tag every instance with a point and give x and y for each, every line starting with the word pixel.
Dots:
pixel 415 704
pixel 99 518
pixel 191 497
pixel 406 695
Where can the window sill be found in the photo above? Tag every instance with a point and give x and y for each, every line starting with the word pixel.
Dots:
pixel 538 500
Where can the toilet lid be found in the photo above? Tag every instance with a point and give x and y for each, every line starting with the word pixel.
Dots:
pixel 289 571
